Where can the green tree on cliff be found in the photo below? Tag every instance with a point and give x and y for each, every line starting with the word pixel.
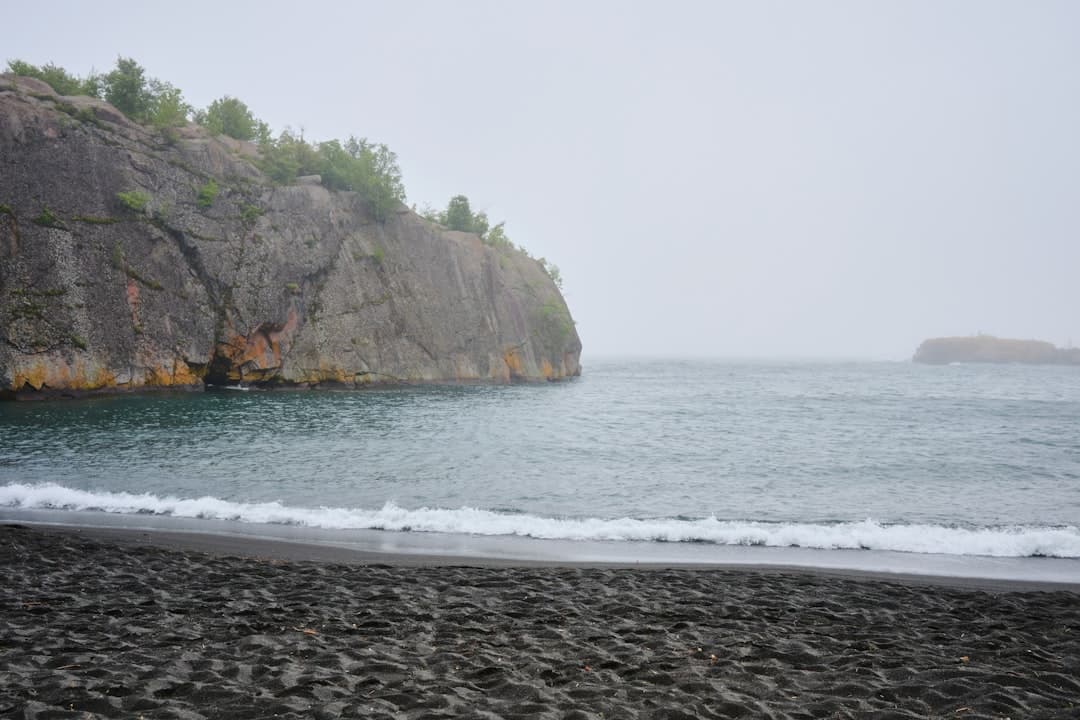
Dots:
pixel 459 215
pixel 167 106
pixel 126 89
pixel 231 116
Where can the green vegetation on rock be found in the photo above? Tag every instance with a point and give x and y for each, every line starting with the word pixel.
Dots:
pixel 357 165
pixel 133 200
pixel 59 79
pixel 126 87
pixel 250 213
pixel 459 216
pixel 48 218
pixel 496 237
pixel 207 194
pixel 553 271
pixel 144 99
pixel 557 321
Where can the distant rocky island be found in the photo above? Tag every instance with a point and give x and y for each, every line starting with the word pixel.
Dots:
pixel 990 349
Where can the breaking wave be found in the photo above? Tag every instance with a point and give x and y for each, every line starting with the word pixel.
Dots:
pixel 1008 541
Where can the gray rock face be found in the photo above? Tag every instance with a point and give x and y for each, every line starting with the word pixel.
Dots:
pixel 113 276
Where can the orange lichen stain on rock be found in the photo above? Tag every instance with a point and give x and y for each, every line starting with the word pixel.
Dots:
pixel 184 375
pixel 35 376
pixel 498 371
pixel 257 350
pixel 104 378
pixel 177 375
pixel 512 358
pixel 464 369
pixel 133 300
pixel 327 373
pixel 547 370
pixel 257 355
pixel 58 374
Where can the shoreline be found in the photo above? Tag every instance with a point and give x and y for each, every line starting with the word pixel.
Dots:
pixel 121 625
pixel 47 394
pixel 253 547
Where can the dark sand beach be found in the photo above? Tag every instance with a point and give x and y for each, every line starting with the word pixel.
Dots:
pixel 125 627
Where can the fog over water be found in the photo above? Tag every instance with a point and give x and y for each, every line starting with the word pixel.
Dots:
pixel 835 179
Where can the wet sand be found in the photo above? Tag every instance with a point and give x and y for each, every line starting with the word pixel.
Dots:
pixel 128 624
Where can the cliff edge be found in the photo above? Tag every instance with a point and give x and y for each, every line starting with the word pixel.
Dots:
pixel 133 259
pixel 990 349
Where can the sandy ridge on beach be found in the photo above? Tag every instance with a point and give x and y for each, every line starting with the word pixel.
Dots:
pixel 95 628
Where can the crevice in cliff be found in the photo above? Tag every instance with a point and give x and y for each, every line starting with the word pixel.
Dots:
pixel 193 259
pixel 7 217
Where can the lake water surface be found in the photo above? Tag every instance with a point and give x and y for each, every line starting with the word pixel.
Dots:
pixel 965 460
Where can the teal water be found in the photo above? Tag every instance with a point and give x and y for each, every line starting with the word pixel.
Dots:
pixel 960 459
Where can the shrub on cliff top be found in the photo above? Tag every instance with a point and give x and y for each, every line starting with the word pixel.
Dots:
pixel 368 168
pixel 459 216
pixel 145 99
pixel 59 79
pixel 126 87
pixel 496 237
pixel 357 164
pixel 168 107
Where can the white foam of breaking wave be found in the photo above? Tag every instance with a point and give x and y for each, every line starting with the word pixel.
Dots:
pixel 1016 541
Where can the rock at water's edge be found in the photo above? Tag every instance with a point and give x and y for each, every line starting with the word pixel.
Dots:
pixel 274 285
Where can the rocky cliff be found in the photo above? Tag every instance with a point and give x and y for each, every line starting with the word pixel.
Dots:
pixel 116 274
pixel 990 349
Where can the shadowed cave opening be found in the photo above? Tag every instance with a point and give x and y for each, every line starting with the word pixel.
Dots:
pixel 218 371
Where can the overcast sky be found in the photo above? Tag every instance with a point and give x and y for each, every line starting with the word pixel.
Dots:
pixel 832 179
